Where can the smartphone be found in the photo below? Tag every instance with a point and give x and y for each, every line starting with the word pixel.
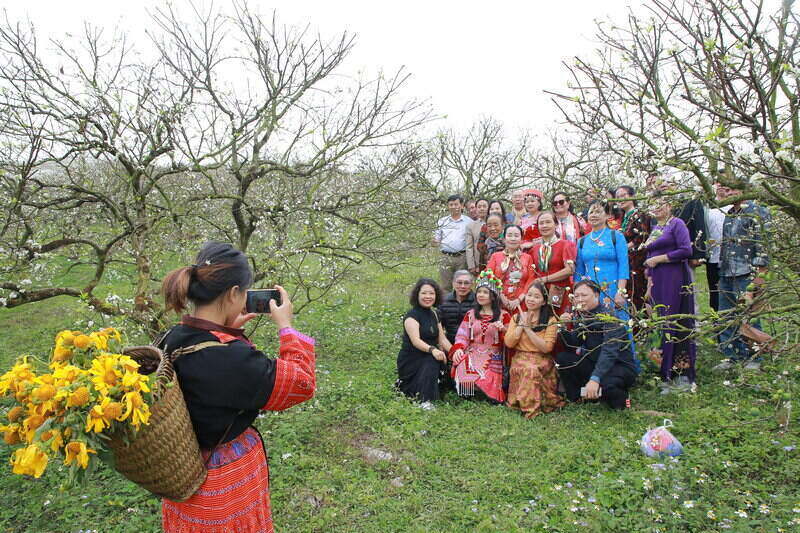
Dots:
pixel 258 300
pixel 583 392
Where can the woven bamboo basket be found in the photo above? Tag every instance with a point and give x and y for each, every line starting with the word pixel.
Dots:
pixel 163 457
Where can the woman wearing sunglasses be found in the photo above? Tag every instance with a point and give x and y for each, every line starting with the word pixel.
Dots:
pixel 569 226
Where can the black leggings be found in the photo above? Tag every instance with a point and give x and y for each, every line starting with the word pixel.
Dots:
pixel 614 384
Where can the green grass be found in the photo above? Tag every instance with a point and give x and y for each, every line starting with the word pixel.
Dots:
pixel 466 465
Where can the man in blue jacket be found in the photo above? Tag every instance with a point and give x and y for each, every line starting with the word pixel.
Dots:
pixel 599 357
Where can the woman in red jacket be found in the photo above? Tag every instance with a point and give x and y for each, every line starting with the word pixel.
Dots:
pixel 513 267
pixel 554 263
pixel 226 382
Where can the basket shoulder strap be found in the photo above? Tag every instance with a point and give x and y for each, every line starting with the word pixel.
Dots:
pixel 194 348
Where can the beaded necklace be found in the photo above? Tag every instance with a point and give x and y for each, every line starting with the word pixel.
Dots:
pixel 599 239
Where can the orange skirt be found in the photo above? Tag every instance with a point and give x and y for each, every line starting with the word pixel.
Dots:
pixel 533 384
pixel 234 496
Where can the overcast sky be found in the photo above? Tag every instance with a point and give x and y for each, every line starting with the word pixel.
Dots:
pixel 470 58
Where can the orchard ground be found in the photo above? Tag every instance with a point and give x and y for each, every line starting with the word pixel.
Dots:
pixel 361 458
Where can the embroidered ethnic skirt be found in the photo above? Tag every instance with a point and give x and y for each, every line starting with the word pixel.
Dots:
pixel 234 496
pixel 533 384
pixel 481 367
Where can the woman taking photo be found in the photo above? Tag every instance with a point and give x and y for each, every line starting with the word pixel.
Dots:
pixel 670 290
pixel 513 268
pixel 477 354
pixel 533 384
pixel 553 263
pixel 226 381
pixel 421 361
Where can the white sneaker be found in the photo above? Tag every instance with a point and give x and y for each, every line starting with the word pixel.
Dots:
pixel 752 365
pixel 427 406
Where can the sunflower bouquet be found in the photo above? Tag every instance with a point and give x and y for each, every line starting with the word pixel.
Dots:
pixel 69 407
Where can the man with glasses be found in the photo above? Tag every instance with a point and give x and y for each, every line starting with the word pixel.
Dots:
pixel 457 303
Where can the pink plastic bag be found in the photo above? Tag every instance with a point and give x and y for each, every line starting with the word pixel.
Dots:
pixel 658 442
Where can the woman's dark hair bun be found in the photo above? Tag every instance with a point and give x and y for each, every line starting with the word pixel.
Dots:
pixel 218 267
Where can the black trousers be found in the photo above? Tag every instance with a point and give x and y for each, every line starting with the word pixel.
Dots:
pixel 712 275
pixel 614 384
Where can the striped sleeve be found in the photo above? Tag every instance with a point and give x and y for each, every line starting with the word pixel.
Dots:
pixel 295 371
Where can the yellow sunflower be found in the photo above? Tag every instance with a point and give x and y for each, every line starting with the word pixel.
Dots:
pixel 128 364
pixel 65 338
pixel 82 341
pixel 79 397
pixel 55 438
pixel 99 340
pixel 31 461
pixel 16 379
pixel 65 374
pixel 11 434
pixel 135 409
pixel 77 451
pixel 106 372
pixel 102 414
pixel 31 424
pixel 95 421
pixel 133 381
pixel 61 353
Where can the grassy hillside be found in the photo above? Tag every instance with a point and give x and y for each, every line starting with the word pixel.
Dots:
pixel 361 458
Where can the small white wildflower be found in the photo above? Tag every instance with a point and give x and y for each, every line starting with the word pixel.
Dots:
pixel 688 504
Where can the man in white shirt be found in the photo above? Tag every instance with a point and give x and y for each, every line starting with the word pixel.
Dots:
pixel 715 220
pixel 451 238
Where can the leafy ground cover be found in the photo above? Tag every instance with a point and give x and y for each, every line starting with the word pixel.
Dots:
pixel 361 458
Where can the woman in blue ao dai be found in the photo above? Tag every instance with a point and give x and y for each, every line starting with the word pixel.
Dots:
pixel 603 258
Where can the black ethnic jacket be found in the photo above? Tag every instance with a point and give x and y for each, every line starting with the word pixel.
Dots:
pixel 606 340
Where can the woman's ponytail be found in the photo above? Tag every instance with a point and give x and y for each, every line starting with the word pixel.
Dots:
pixel 175 289
pixel 219 267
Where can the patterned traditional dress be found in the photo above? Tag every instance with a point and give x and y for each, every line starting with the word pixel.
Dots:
pixel 514 271
pixel 552 259
pixel 534 380
pixel 233 383
pixel 482 366
pixel 636 228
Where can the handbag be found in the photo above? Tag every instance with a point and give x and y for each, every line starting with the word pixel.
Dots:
pixel 506 369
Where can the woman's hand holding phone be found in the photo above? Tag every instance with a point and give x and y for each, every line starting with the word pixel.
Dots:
pixel 281 314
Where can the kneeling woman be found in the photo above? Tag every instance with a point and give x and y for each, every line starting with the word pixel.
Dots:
pixel 534 380
pixel 478 351
pixel 226 381
pixel 421 361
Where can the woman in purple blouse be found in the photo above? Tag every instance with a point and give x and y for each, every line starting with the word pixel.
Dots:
pixel 670 291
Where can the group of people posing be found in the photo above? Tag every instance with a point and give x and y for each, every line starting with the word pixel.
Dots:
pixel 527 321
